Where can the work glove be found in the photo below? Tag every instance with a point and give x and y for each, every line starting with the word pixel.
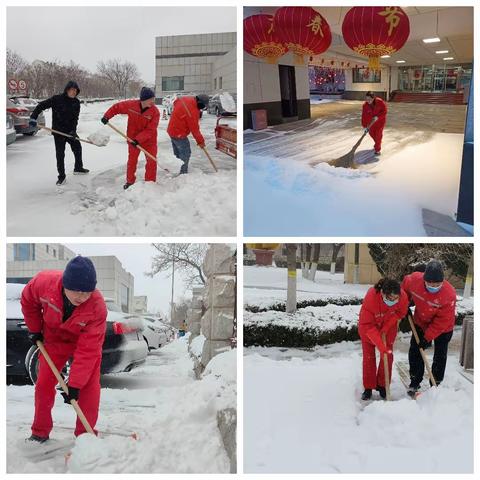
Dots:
pixel 424 344
pixel 134 143
pixel 32 122
pixel 73 394
pixel 104 120
pixel 73 134
pixel 375 118
pixel 34 337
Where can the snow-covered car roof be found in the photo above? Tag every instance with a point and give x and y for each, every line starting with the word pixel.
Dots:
pixel 14 293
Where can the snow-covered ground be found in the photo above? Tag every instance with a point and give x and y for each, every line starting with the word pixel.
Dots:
pixel 302 415
pixel 202 203
pixel 289 189
pixel 173 414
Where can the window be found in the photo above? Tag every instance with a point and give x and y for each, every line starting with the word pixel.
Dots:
pixel 220 83
pixel 215 83
pixel 124 297
pixel 24 252
pixel 172 84
pixel 365 75
pixel 54 253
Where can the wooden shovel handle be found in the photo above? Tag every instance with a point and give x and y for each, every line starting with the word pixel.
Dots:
pixel 62 384
pixel 422 352
pixel 209 158
pixel 385 368
pixel 65 134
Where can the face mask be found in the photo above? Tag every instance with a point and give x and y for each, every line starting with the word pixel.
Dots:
pixel 433 289
pixel 389 303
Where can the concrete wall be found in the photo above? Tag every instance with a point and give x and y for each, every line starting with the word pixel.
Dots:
pixel 191 57
pixel 261 88
pixel 226 69
pixel 368 273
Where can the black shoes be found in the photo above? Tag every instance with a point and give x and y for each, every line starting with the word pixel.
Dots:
pixel 36 438
pixel 81 171
pixel 381 391
pixel 61 180
pixel 127 185
pixel 367 394
pixel 413 390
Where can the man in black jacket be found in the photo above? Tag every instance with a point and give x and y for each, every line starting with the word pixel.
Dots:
pixel 65 111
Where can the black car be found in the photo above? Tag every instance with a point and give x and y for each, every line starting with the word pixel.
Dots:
pixel 123 348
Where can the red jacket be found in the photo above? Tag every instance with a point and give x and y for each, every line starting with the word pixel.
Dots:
pixel 142 125
pixel 42 307
pixel 376 317
pixel 185 119
pixel 378 108
pixel 434 312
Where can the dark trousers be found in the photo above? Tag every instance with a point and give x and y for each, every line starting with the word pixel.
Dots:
pixel 76 147
pixel 417 366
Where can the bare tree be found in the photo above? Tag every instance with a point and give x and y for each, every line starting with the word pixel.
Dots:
pixel 15 63
pixel 188 258
pixel 336 250
pixel 120 74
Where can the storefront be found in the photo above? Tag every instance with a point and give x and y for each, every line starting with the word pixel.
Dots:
pixel 435 78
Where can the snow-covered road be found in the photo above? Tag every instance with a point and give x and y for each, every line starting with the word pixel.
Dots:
pixel 302 415
pixel 289 189
pixel 202 203
pixel 173 414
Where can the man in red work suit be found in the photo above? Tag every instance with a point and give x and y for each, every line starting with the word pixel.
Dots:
pixel 434 299
pixel 384 305
pixel 143 118
pixel 374 109
pixel 66 313
pixel 185 120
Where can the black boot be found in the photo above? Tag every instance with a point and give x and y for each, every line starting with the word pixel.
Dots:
pixel 36 438
pixel 81 171
pixel 61 180
pixel 381 391
pixel 367 394
pixel 413 390
pixel 127 185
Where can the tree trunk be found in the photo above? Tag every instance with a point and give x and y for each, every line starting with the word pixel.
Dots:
pixel 314 264
pixel 292 278
pixel 336 250
pixel 302 258
pixel 356 267
pixel 308 255
pixel 467 291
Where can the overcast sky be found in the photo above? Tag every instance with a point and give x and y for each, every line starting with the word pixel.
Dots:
pixel 87 35
pixel 137 259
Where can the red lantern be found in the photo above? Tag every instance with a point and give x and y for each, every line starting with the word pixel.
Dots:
pixel 260 39
pixel 375 31
pixel 303 31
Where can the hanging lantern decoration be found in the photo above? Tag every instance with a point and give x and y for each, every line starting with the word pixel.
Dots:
pixel 303 31
pixel 375 31
pixel 260 39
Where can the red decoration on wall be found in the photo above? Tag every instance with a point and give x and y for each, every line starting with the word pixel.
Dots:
pixel 260 38
pixel 375 31
pixel 303 31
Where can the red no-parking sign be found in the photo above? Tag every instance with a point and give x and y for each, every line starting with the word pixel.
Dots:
pixel 13 85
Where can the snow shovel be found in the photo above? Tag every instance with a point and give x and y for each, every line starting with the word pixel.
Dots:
pixel 209 158
pixel 69 136
pixel 385 368
pixel 422 351
pixel 129 140
pixel 61 382
pixel 347 160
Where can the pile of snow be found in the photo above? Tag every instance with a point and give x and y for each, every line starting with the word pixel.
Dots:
pixel 316 425
pixel 99 138
pixel 228 102
pixel 196 347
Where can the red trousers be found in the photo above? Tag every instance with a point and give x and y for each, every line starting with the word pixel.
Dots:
pixel 88 400
pixel 373 376
pixel 150 167
pixel 376 132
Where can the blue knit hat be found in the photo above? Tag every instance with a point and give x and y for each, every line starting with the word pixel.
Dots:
pixel 146 93
pixel 80 275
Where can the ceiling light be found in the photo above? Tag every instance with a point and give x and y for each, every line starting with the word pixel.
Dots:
pixel 400 61
pixel 448 58
pixel 387 56
pixel 441 51
pixel 431 40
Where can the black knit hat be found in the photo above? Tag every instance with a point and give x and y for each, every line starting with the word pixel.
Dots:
pixel 433 272
pixel 146 93
pixel 80 275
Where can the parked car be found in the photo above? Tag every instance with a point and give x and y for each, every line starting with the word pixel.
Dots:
pixel 11 133
pixel 123 349
pixel 21 115
pixel 155 333
pixel 223 104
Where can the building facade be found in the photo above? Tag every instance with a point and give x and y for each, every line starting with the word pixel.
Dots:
pixel 201 63
pixel 24 261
